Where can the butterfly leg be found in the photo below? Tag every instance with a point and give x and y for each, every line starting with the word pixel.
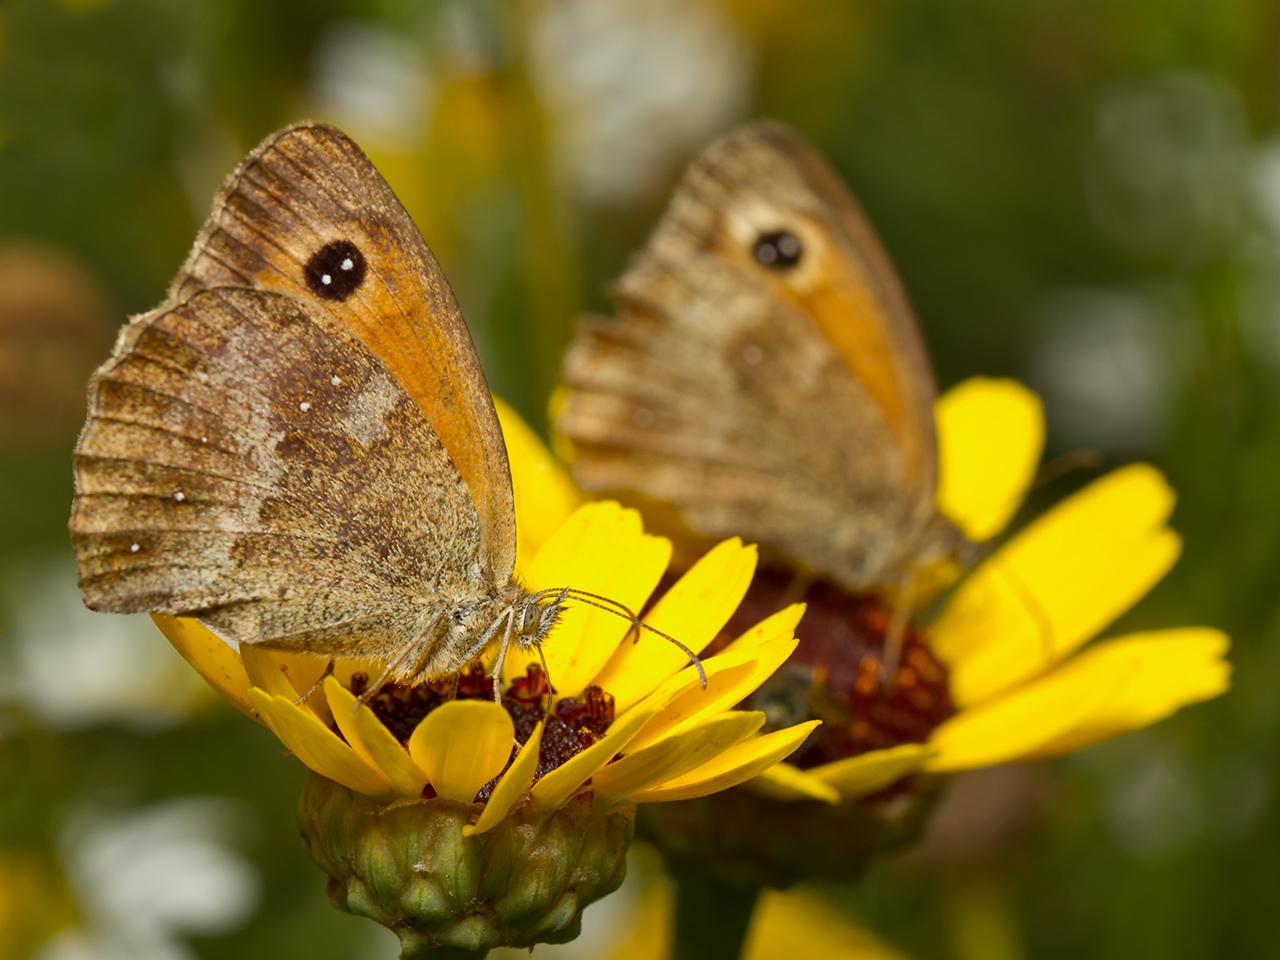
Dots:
pixel 551 690
pixel 416 644
pixel 1044 626
pixel 496 674
pixel 897 630
pixel 311 690
pixel 477 648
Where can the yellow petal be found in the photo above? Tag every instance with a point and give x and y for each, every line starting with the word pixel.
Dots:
pixel 557 786
pixel 735 663
pixel 317 746
pixel 544 494
pixel 782 781
pixel 264 673
pixel 372 741
pixel 783 921
pixel 511 788
pixel 1057 583
pixel 738 764
pixel 1023 723
pixel 780 624
pixel 990 437
pixel 693 611
pixel 673 756
pixel 1160 672
pixel 462 745
pixel 214 659
pixel 601 549
pixel 731 677
pixel 866 773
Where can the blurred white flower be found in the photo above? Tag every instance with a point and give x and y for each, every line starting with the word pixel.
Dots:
pixel 632 88
pixel 1169 157
pixel 69 667
pixel 145 879
pixel 372 80
pixel 1156 807
pixel 1108 363
pixel 1261 296
pixel 1265 186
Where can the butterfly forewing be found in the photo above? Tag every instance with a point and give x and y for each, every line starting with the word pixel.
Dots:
pixel 787 398
pixel 307 214
pixel 249 461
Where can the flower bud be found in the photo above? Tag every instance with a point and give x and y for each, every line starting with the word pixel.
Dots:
pixel 411 867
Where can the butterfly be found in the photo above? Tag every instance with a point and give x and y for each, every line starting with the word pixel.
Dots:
pixel 764 375
pixel 298 446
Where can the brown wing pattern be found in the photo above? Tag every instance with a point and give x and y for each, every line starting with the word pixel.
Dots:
pixel 309 186
pixel 277 501
pixel 791 407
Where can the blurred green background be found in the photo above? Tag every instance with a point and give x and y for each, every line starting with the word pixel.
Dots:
pixel 1085 195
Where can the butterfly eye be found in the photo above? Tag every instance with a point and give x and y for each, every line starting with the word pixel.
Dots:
pixel 335 270
pixel 778 249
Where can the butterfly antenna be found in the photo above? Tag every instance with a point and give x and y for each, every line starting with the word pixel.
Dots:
pixel 627 612
pixel 1044 626
pixel 619 609
pixel 1064 464
pixel 1052 471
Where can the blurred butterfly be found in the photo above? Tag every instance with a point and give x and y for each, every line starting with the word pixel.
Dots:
pixel 764 376
pixel 298 446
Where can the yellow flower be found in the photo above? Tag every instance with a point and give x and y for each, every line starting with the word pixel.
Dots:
pixel 630 720
pixel 1017 684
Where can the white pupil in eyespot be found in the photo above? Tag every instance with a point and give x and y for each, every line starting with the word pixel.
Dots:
pixel 326 279
pixel 348 264
pixel 777 249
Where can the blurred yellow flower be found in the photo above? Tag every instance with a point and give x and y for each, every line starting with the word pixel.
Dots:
pixel 637 923
pixel 1000 668
pixel 629 721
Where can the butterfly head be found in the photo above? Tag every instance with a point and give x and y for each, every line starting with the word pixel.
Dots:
pixel 536 618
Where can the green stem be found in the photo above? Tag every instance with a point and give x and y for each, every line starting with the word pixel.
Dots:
pixel 712 917
pixel 446 953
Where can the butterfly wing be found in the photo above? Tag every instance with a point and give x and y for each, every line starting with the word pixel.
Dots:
pixel 307 214
pixel 764 376
pixel 248 461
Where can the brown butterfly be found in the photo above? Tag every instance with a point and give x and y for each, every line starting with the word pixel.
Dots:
pixel 298 446
pixel 764 376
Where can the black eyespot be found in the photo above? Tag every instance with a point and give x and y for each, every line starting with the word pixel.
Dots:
pixel 335 270
pixel 778 249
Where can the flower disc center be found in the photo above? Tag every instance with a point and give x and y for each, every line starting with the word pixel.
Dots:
pixel 575 723
pixel 843 673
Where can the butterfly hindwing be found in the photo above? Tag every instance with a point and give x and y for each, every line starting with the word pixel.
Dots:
pixel 248 461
